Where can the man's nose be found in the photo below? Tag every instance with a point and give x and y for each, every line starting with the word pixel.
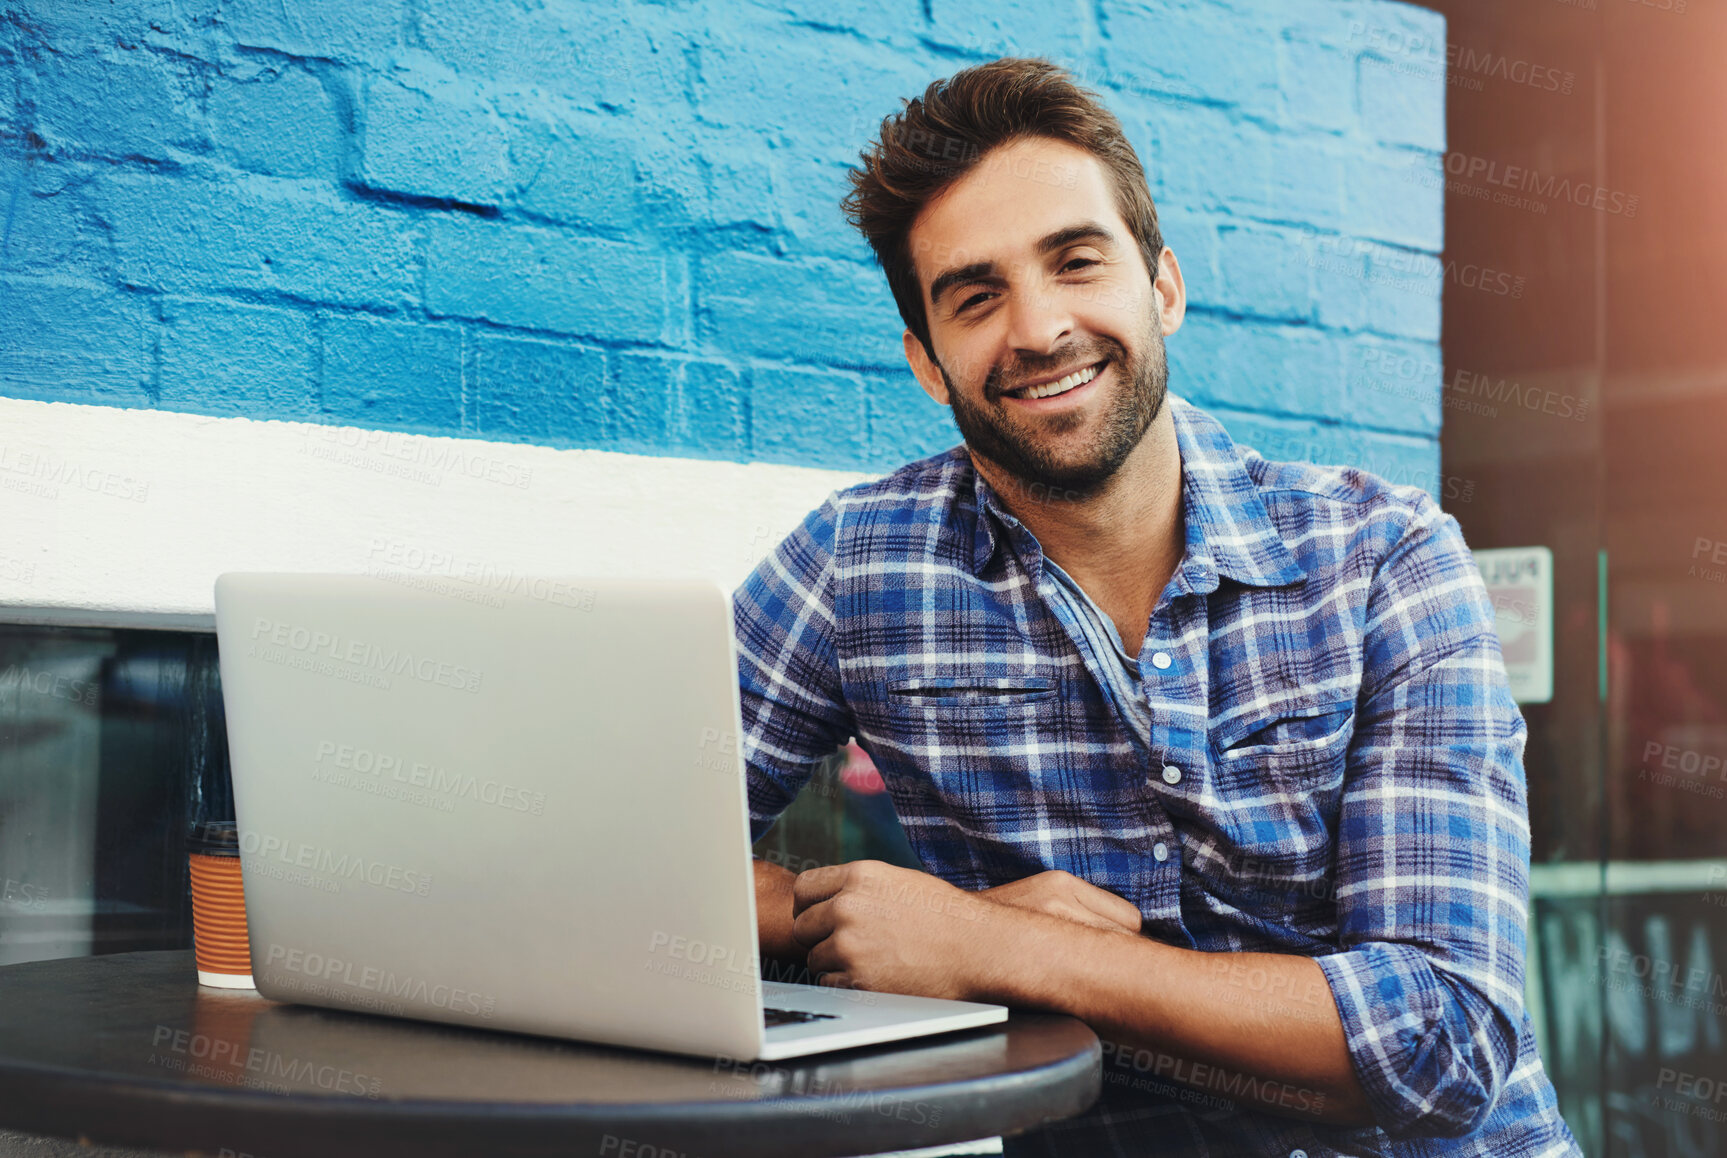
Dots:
pixel 1038 321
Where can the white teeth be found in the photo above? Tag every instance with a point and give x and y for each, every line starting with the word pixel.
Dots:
pixel 1049 390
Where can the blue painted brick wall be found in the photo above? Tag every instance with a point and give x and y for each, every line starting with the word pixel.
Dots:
pixel 616 225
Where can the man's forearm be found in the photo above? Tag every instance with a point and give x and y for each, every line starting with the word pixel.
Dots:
pixel 1259 1028
pixel 774 913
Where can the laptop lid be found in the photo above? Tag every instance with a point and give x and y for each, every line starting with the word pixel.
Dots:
pixel 519 809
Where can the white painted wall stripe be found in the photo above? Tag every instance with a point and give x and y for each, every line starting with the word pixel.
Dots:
pixel 119 517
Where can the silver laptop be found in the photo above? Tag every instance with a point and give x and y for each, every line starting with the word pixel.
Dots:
pixel 515 805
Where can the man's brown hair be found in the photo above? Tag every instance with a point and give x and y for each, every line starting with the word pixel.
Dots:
pixel 939 137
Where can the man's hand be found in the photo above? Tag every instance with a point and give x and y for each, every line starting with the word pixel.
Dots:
pixel 774 913
pixel 870 925
pixel 1061 894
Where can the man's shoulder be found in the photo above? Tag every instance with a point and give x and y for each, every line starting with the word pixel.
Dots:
pixel 1340 492
pixel 842 524
pixel 1325 513
pixel 945 476
pixel 1301 496
pixel 923 511
pixel 1342 523
pixel 1293 479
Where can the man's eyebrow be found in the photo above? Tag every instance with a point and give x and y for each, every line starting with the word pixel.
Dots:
pixel 980 270
pixel 976 271
pixel 1084 231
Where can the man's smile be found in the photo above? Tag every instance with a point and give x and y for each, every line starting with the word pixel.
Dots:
pixel 1044 396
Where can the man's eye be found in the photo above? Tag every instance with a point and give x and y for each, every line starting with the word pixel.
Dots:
pixel 967 304
pixel 1079 261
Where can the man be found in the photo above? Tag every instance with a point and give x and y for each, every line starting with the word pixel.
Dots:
pixel 1214 753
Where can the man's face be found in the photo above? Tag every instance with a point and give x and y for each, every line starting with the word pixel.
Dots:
pixel 1029 273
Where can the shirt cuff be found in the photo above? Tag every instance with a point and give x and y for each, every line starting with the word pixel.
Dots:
pixel 1412 1039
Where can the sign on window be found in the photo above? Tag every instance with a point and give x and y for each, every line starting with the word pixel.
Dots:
pixel 1520 583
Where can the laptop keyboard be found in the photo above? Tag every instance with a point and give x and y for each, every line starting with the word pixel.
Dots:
pixel 775 1017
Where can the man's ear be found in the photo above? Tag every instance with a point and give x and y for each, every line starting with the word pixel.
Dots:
pixel 924 369
pixel 1172 292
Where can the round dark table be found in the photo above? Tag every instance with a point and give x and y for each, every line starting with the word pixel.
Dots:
pixel 128 1050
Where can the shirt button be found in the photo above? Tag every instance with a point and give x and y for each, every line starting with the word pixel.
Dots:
pixel 1160 852
pixel 1171 774
pixel 1298 1154
pixel 1160 660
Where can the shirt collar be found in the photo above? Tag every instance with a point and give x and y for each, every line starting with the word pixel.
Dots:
pixel 1229 531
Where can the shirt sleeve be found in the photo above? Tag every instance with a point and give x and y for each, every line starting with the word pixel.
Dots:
pixel 1432 877
pixel 794 713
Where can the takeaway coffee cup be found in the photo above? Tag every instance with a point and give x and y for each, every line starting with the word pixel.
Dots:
pixel 219 941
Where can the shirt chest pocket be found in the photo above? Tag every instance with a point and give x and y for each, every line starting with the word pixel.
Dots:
pixel 996 748
pixel 937 695
pixel 967 753
pixel 1282 774
pixel 967 733
pixel 1301 745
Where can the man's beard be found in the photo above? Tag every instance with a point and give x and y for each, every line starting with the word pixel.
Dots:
pixel 1017 448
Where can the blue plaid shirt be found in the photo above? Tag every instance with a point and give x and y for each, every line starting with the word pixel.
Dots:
pixel 1314 752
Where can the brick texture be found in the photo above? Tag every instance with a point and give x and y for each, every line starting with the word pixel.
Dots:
pixel 617 225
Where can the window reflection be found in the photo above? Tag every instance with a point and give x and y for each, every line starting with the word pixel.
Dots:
pixel 105 737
